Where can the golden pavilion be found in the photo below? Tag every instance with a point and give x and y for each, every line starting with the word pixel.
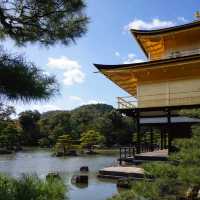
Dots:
pixel 163 85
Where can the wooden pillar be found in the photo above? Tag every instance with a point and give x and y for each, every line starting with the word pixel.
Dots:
pixel 164 138
pixel 129 151
pixel 169 131
pixel 125 152
pixel 161 137
pixel 120 156
pixel 138 150
pixel 151 139
pixel 144 137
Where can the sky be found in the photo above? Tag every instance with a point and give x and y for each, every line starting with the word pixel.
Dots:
pixel 108 41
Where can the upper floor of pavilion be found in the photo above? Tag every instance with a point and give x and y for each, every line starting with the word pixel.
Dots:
pixel 177 41
pixel 170 77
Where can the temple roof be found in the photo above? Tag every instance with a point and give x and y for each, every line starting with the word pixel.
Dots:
pixel 127 76
pixel 157 43
pixel 168 29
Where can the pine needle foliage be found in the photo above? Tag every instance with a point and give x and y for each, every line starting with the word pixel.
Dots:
pixel 36 21
pixel 22 80
pixel 46 22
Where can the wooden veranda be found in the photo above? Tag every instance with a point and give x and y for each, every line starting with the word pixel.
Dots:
pixel 166 119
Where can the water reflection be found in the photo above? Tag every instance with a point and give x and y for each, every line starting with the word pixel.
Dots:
pixel 41 162
pixel 80 185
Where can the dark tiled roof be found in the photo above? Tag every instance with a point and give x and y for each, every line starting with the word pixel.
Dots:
pixel 146 63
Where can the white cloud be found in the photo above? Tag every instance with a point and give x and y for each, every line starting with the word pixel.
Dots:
pixel 46 73
pixel 131 55
pixel 80 101
pixel 182 19
pixel 94 102
pixel 44 107
pixel 73 76
pixel 147 25
pixel 40 107
pixel 117 54
pixel 75 98
pixel 131 58
pixel 72 69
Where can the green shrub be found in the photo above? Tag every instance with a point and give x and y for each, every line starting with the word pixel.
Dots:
pixel 173 178
pixel 7 189
pixel 31 188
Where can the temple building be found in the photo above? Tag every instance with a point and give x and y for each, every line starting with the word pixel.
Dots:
pixel 166 83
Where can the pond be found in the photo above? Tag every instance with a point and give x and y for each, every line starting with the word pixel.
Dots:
pixel 41 162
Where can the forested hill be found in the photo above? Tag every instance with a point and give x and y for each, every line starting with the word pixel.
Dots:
pixel 99 117
pixel 98 109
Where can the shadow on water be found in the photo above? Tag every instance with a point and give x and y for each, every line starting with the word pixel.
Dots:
pixel 41 162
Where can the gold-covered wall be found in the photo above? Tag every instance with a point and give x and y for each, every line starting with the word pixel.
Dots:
pixel 169 93
pixel 154 77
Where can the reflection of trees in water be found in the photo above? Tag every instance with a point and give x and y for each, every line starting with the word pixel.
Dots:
pixel 81 181
pixel 81 185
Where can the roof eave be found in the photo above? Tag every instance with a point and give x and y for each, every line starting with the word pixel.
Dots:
pixel 101 67
pixel 165 30
pixel 136 33
pixel 140 44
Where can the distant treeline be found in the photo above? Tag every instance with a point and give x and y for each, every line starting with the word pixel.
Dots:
pixel 44 129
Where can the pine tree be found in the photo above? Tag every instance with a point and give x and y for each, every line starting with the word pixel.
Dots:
pixel 35 21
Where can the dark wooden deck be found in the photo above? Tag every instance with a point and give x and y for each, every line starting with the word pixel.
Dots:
pixel 129 156
pixel 154 155
pixel 132 171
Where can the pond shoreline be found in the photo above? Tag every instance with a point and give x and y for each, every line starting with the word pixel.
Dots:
pixel 102 151
pixel 41 162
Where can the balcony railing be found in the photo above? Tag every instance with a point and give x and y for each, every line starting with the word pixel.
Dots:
pixel 127 102
pixel 177 54
pixel 161 99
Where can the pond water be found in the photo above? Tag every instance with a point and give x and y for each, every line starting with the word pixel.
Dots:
pixel 41 162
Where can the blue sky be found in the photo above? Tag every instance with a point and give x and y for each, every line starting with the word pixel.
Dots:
pixel 108 41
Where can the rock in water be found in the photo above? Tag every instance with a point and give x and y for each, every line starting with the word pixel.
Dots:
pixel 84 169
pixel 124 183
pixel 80 179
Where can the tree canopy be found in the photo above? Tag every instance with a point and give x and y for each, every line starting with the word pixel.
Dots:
pixel 28 122
pixel 91 138
pixel 86 123
pixel 9 136
pixel 101 118
pixel 42 21
pixel 6 112
pixel 64 142
pixel 10 132
pixel 45 22
pixel 20 80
